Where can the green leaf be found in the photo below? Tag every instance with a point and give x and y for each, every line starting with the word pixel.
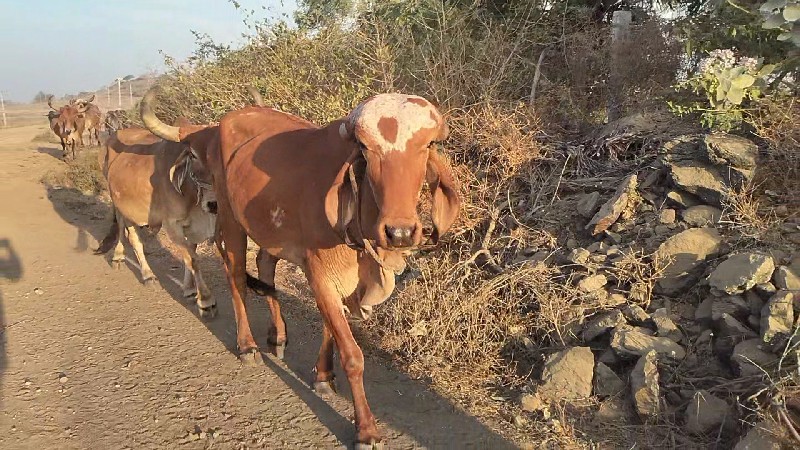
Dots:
pixel 766 70
pixel 743 81
pixel 736 95
pixel 792 12
pixel 721 93
pixel 772 5
pixel 773 21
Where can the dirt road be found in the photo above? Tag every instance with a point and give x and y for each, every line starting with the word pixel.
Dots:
pixel 92 359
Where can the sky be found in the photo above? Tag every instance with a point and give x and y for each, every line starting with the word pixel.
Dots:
pixel 67 46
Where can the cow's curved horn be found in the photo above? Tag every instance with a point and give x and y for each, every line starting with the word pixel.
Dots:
pixel 153 123
pixel 256 95
pixel 50 103
pixel 91 99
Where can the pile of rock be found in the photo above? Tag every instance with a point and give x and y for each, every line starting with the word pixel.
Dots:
pixel 749 300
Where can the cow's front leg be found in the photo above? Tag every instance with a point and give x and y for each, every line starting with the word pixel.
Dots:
pixel 193 283
pixel 329 302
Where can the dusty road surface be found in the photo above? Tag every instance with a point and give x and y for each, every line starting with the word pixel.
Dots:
pixel 92 359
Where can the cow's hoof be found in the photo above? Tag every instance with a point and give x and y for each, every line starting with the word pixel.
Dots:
pixel 251 357
pixel 117 265
pixel 280 351
pixel 190 293
pixel 150 282
pixel 325 388
pixel 370 446
pixel 207 313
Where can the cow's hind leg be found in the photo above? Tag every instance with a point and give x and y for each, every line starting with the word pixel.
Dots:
pixel 148 278
pixel 324 381
pixel 206 306
pixel 266 273
pixel 232 241
pixel 118 260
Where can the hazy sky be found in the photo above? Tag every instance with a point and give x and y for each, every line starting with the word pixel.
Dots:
pixel 67 46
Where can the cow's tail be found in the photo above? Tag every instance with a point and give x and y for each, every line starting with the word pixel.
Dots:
pixel 259 287
pixel 111 238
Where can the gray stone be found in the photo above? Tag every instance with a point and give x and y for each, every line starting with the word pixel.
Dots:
pixel 667 216
pixel 614 207
pixel 754 301
pixel 532 402
pixel 701 215
pixel 632 343
pixel 730 150
pixel 634 313
pixel 606 382
pixel 777 316
pixel 592 283
pixel 787 278
pixel 683 253
pixel 578 256
pixel 733 305
pixel 568 374
pixel 665 326
pixel 707 413
pixel 602 323
pixel 729 332
pixel 741 272
pixel 682 199
pixel 703 312
pixel 760 437
pixel 644 386
pixel 703 180
pixel 609 357
pixel 765 290
pixel 587 204
pixel 749 357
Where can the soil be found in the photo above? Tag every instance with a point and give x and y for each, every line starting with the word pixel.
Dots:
pixel 92 358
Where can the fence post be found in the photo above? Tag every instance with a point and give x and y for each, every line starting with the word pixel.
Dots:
pixel 3 109
pixel 620 33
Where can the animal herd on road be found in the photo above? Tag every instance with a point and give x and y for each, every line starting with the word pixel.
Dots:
pixel 340 201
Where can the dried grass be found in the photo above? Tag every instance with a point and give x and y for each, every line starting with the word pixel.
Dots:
pixel 83 174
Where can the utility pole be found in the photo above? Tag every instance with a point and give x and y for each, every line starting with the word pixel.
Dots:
pixel 119 92
pixel 108 96
pixel 130 93
pixel 3 109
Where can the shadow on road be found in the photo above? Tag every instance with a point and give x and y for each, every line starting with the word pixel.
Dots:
pixel 10 271
pixel 410 407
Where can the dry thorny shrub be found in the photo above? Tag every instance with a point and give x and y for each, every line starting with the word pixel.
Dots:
pixel 83 174
pixel 479 312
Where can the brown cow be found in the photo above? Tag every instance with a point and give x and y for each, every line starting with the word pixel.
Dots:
pixel 154 182
pixel 67 123
pixel 92 117
pixel 323 198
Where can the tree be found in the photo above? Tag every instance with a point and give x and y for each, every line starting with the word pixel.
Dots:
pixel 41 97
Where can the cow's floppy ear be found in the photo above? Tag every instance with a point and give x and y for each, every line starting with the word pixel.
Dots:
pixel 179 170
pixel 444 193
pixel 340 203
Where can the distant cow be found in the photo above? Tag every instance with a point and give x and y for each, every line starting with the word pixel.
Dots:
pixel 158 183
pixel 116 119
pixel 67 123
pixel 92 116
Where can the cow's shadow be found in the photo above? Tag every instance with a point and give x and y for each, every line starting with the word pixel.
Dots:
pixel 407 405
pixel 52 151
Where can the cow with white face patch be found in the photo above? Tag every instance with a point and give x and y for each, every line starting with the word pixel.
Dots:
pixel 339 201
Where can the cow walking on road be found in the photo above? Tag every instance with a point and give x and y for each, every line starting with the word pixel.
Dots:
pixel 67 123
pixel 158 183
pixel 339 201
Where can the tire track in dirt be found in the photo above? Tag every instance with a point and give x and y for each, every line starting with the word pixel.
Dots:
pixel 91 358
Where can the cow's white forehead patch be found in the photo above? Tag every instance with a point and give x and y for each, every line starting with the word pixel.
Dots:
pixel 390 120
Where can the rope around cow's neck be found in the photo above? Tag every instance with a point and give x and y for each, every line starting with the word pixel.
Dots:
pixel 366 245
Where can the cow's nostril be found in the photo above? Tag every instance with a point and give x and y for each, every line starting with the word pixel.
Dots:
pixel 399 236
pixel 212 207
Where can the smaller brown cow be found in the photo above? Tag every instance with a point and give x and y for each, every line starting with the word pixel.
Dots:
pixel 92 117
pixel 67 123
pixel 157 183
